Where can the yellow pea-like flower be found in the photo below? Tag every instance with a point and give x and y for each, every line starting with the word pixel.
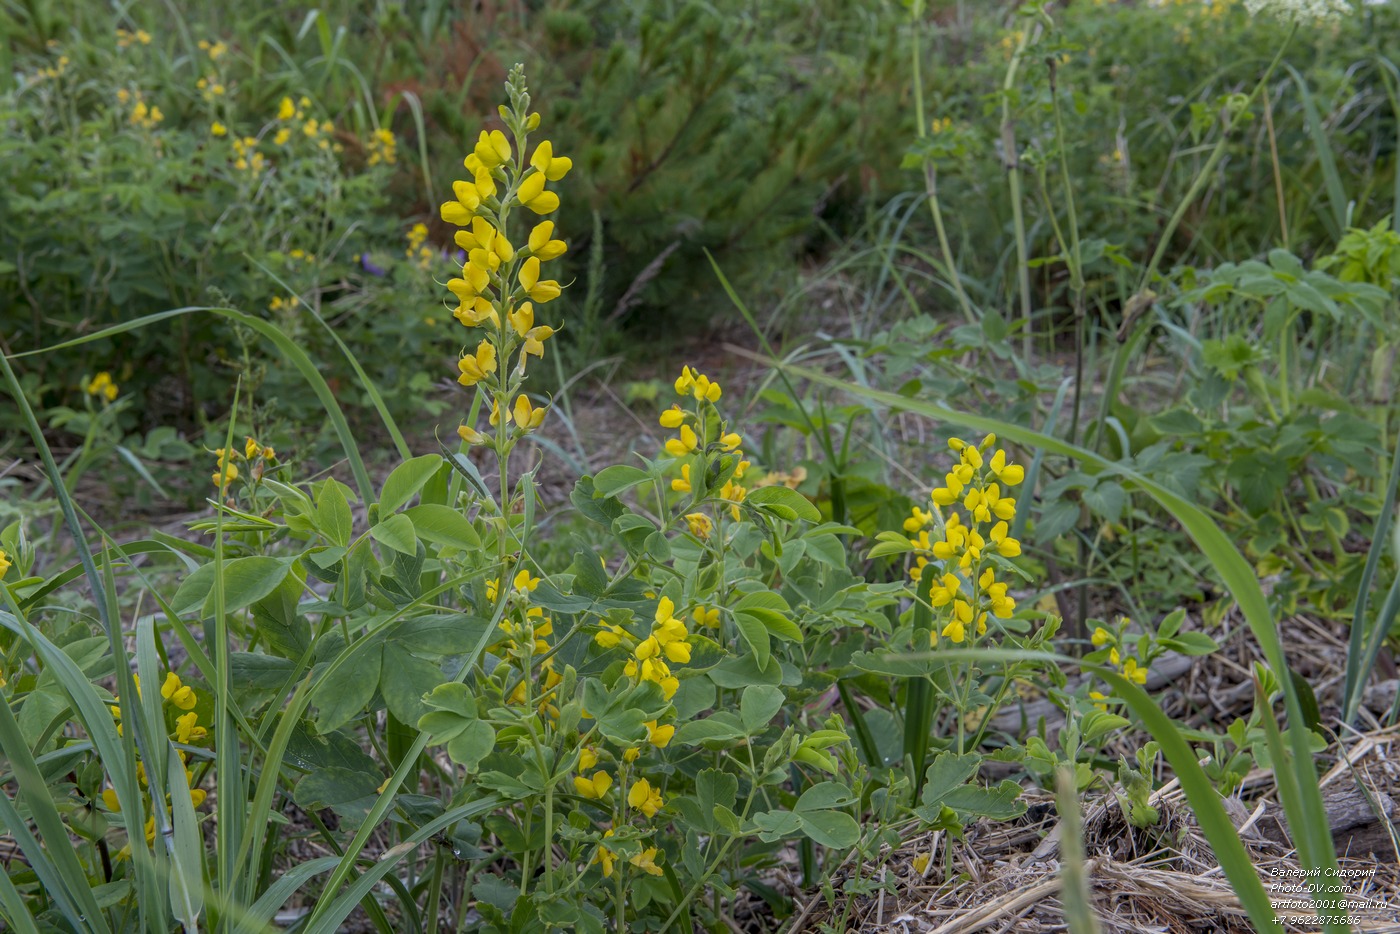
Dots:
pixel 595 787
pixel 522 319
pixel 286 110
pixel 550 166
pixel 681 484
pixel 542 246
pixel 673 417
pixel 659 736
pixel 476 367
pixel 644 798
pixel 532 194
pixel 685 444
pixel 540 291
pixel 526 415
pixel 492 149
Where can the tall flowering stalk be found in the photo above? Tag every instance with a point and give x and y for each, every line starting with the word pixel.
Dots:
pixel 502 279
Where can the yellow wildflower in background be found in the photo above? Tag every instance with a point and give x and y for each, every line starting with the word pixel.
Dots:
pixel 101 385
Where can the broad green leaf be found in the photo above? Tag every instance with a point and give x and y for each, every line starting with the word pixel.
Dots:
pixel 835 829
pixel 404 679
pixel 825 795
pixel 246 581
pixel 333 514
pixel 759 704
pixel 721 727
pixel 396 532
pixel 443 525
pixel 755 634
pixel 405 481
pixel 348 793
pixel 948 771
pixel 614 480
pixel 346 694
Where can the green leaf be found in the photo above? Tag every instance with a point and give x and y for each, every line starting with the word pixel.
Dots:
pixel 835 829
pixel 333 514
pixel 406 480
pixel 404 679
pixel 614 480
pixel 759 704
pixel 246 581
pixel 1191 643
pixel 473 744
pixel 348 793
pixel 443 525
pixel 396 532
pixel 1000 802
pixel 825 795
pixel 948 771
pixel 721 727
pixel 783 498
pixel 349 692
pixel 755 634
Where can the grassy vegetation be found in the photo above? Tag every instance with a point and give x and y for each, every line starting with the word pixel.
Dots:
pixel 1068 362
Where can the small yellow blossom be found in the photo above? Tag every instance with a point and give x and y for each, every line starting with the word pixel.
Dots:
pixel 644 798
pixel 595 787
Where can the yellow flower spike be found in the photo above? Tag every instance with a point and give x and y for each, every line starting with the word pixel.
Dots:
pixel 522 319
pixel 1011 474
pixel 646 861
pixel 542 246
pixel 551 166
pixel 673 417
pixel 681 484
pixel 492 149
pixel 700 525
pixel 527 417
pixel 1101 637
pixel 685 444
pixel 478 366
pixel 542 292
pixel 286 110
pixel 645 798
pixel 595 787
pixel 1006 546
pixel 218 129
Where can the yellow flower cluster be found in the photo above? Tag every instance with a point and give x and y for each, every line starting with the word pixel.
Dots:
pixel 668 642
pixel 125 38
pixel 4 562
pixel 1132 669
pixel 501 283
pixel 215 50
pixel 145 116
pixel 382 148
pixel 259 456
pixel 976 482
pixel 187 731
pixel 246 156
pixel 211 87
pixel 278 303
pixel 101 385
pixel 418 250
pixel 694 435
